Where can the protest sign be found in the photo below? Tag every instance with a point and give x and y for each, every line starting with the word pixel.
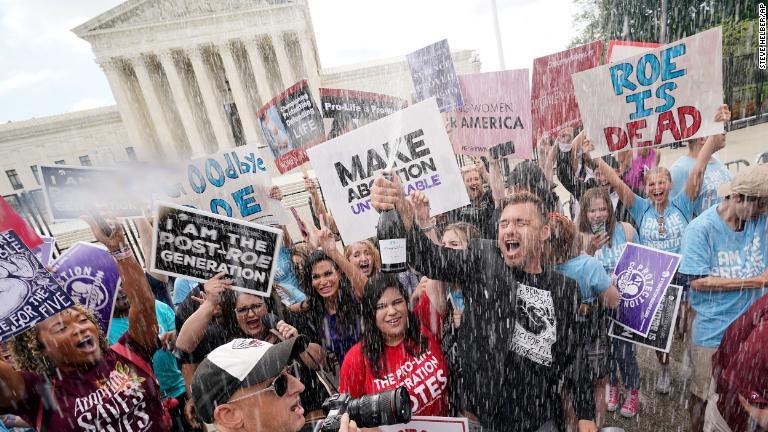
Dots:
pixel 291 123
pixel 197 245
pixel 642 276
pixel 430 424
pixel 433 75
pixel 90 277
pixel 71 192
pixel 497 110
pixel 553 103
pixel 44 251
pixel 11 220
pixel 667 94
pixel 620 50
pixel 345 110
pixel 28 293
pixel 233 183
pixel 662 330
pixel 346 166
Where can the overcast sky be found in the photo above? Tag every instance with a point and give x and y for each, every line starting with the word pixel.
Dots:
pixel 45 69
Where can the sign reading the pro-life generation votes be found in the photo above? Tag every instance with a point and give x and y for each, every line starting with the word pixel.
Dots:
pixel 197 245
pixel 424 161
pixel 90 276
pixel 433 75
pixel 71 192
pixel 28 293
pixel 346 110
pixel 430 424
pixel 667 94
pixel 497 110
pixel 233 183
pixel 291 123
pixel 553 103
pixel 662 330
pixel 642 276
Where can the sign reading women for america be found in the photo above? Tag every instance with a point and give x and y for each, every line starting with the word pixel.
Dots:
pixel 667 94
pixel 424 161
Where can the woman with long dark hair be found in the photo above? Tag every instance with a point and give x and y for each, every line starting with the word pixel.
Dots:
pixel 395 350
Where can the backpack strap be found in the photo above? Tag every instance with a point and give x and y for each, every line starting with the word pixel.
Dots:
pixel 134 358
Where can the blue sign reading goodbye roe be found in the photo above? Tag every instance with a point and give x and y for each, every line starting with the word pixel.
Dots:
pixel 649 69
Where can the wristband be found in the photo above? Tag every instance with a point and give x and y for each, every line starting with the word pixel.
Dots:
pixel 429 228
pixel 123 253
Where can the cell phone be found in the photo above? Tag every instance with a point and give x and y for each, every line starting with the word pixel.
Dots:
pixel 502 150
pixel 102 223
pixel 598 228
pixel 300 223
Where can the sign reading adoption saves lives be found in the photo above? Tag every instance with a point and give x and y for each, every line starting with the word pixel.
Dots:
pixel 290 123
pixel 197 245
pixel 233 183
pixel 497 110
pixel 667 94
pixel 346 166
pixel 28 293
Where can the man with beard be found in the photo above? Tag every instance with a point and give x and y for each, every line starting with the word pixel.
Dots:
pixel 480 208
pixel 163 362
pixel 520 332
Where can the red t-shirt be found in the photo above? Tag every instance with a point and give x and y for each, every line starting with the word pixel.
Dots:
pixel 113 395
pixel 740 365
pixel 425 376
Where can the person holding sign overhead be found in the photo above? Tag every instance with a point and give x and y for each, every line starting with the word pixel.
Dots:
pixel 661 219
pixel 73 380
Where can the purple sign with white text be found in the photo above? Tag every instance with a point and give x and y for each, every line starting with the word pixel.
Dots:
pixel 90 277
pixel 642 277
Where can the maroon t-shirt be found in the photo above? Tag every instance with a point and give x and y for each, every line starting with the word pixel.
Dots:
pixel 740 365
pixel 114 395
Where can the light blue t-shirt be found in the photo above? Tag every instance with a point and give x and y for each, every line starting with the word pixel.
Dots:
pixel 163 362
pixel 285 277
pixel 609 254
pixel 181 289
pixel 677 215
pixel 715 175
pixel 712 248
pixel 589 274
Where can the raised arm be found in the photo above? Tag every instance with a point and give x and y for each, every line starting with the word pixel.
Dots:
pixel 142 321
pixel 625 192
pixel 420 202
pixel 496 181
pixel 711 145
pixel 191 333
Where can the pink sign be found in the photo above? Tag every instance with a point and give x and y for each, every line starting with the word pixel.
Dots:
pixel 553 100
pixel 496 111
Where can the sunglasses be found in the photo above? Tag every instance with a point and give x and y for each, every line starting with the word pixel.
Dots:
pixel 279 385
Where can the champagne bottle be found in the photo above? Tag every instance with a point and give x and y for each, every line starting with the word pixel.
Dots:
pixel 391 234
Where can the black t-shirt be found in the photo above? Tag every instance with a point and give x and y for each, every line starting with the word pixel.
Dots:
pixel 478 216
pixel 215 335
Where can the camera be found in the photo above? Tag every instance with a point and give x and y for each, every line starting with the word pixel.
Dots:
pixel 380 409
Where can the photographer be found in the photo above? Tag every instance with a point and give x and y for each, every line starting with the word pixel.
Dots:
pixel 251 385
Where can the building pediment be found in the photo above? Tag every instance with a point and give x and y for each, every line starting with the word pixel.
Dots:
pixel 141 13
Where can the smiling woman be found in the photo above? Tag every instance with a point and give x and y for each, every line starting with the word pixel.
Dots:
pixel 67 358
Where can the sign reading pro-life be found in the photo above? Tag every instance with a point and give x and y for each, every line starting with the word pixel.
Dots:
pixel 197 245
pixel 346 167
pixel 667 94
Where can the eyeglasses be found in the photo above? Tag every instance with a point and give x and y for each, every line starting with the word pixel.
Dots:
pixel 249 309
pixel 395 304
pixel 279 385
pixel 662 228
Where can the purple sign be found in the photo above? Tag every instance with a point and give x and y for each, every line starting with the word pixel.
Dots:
pixel 28 293
pixel 642 276
pixel 44 252
pixel 90 277
pixel 433 75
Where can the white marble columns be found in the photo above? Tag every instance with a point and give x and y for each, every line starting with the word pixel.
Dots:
pixel 195 78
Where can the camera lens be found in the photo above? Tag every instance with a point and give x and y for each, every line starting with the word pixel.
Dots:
pixel 385 408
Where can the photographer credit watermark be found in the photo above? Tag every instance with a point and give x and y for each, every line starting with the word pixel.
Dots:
pixel 761 36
